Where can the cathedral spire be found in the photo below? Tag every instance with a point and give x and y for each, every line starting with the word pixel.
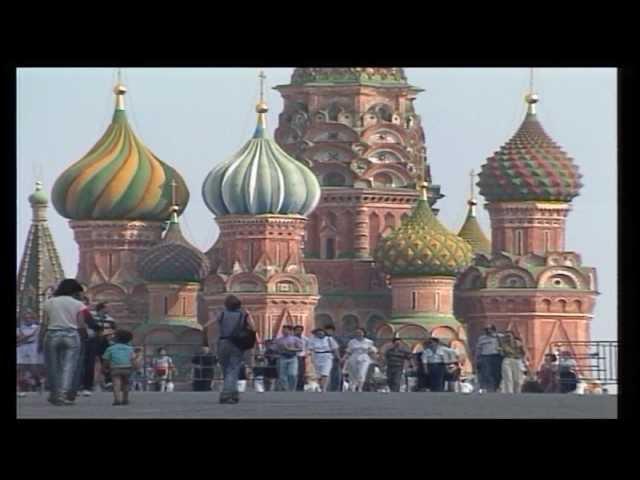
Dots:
pixel 261 109
pixel 40 267
pixel 472 196
pixel 119 90
pixel 531 97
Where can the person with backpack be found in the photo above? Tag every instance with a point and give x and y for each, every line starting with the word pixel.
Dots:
pixel 237 335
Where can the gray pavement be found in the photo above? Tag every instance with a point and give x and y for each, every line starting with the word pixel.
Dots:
pixel 326 405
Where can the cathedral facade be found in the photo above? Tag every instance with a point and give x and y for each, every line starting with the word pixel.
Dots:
pixel 333 221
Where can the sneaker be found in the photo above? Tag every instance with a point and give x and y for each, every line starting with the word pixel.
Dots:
pixel 86 393
pixel 115 402
pixel 68 402
pixel 125 402
pixel 21 394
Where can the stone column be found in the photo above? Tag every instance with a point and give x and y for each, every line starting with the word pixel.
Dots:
pixel 361 233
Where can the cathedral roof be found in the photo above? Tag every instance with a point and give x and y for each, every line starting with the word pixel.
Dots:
pixel 530 166
pixel 261 178
pixel 422 246
pixel 471 230
pixel 351 75
pixel 118 179
pixel 40 267
pixel 174 259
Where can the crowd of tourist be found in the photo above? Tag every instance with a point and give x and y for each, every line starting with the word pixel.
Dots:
pixel 77 348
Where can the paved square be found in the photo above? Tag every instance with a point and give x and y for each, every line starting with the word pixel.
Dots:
pixel 328 405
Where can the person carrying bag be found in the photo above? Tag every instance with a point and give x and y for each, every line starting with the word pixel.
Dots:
pixel 237 335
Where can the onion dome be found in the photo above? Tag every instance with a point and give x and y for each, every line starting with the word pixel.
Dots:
pixel 471 230
pixel 174 259
pixel 119 179
pixel 261 179
pixel 38 197
pixel 360 75
pixel 530 166
pixel 422 246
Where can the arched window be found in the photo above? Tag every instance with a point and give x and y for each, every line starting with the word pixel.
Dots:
pixel 166 305
pixel 330 248
pixel 334 179
pixel 323 320
pixel 382 180
pixel 577 305
pixel 546 305
pixel 436 301
pixel 414 300
pixel 563 305
pixel 349 324
pixel 184 305
pixel 110 267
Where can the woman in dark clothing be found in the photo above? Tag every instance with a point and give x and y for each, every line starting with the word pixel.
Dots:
pixel 271 369
pixel 230 356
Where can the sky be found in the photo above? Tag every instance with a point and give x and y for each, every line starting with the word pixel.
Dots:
pixel 195 118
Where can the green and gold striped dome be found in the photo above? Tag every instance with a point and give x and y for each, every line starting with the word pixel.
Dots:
pixel 422 246
pixel 119 179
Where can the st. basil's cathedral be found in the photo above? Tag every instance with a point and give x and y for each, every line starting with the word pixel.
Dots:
pixel 331 222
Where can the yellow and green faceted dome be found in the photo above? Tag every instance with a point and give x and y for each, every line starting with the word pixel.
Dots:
pixel 119 179
pixel 530 167
pixel 422 246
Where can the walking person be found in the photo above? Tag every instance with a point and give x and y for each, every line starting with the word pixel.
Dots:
pixel 434 359
pixel 62 328
pixel 567 372
pixel 395 359
pixel 163 367
pixel 422 376
pixel 29 358
pixel 89 352
pixel 323 350
pixel 512 363
pixel 488 359
pixel 335 377
pixel 203 367
pixel 105 328
pixel 289 345
pixel 231 357
pixel 271 355
pixel 302 361
pixel 358 359
pixel 120 360
pixel 548 374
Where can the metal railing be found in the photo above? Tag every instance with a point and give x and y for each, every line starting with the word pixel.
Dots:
pixel 597 361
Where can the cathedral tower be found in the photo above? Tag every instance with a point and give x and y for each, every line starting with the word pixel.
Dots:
pixel 117 198
pixel 530 283
pixel 357 129
pixel 261 198
pixel 40 268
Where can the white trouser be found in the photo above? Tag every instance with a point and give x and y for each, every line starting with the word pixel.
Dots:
pixel 511 375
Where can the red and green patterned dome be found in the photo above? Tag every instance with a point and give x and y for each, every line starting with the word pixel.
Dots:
pixel 530 167
pixel 119 179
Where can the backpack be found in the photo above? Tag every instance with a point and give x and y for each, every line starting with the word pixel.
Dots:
pixel 242 337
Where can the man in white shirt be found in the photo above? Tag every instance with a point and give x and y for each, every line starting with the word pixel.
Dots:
pixel 488 359
pixel 302 357
pixel 434 358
